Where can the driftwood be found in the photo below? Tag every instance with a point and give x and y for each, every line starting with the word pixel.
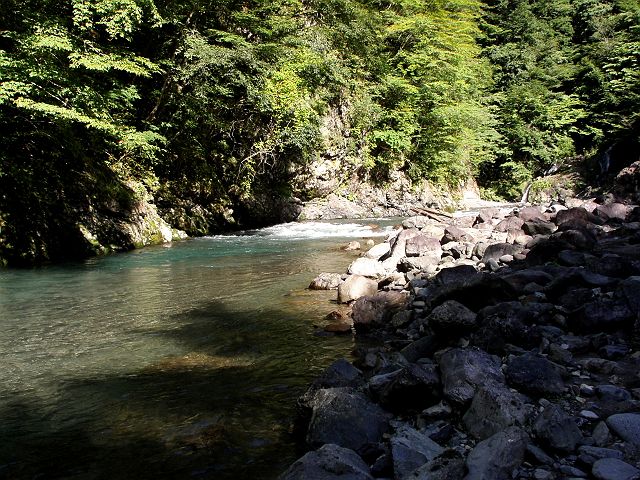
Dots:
pixel 433 214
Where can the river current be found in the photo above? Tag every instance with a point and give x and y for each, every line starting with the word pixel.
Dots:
pixel 175 361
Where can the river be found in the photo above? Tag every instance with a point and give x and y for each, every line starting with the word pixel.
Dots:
pixel 175 361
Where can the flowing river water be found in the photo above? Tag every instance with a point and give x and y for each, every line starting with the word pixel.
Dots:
pixel 178 361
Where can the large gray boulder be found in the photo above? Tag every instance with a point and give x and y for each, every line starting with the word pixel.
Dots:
pixel 376 310
pixel 423 246
pixel 626 426
pixel 345 417
pixel 411 449
pixel 494 408
pixel 498 456
pixel 451 318
pixel 367 267
pixel 465 370
pixel 354 287
pixel 614 469
pixel 329 462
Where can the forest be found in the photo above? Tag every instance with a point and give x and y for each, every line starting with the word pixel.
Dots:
pixel 208 104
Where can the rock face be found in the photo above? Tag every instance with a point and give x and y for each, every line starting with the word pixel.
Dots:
pixel 329 462
pixel 507 346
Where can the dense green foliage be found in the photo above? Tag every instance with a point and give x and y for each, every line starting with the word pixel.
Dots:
pixel 206 104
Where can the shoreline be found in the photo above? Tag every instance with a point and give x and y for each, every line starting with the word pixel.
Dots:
pixel 509 350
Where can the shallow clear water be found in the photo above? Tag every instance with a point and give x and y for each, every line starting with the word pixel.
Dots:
pixel 168 362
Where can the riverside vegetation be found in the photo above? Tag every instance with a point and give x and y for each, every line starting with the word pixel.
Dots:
pixel 507 348
pixel 129 122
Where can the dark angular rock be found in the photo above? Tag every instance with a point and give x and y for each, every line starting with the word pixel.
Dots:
pixel 329 462
pixel 346 418
pixel 534 375
pixel 412 387
pixel 497 457
pixel 494 407
pixel 598 453
pixel 547 250
pixel 504 323
pixel 629 290
pixel 602 315
pixel 556 429
pixel 614 469
pixel 457 274
pixel 451 318
pixel 518 280
pixel 410 450
pixel 339 374
pixel 474 292
pixel 464 370
pixel 582 239
pixel 448 466
pixel 538 227
pixel 576 213
pixel 612 266
pixel 424 347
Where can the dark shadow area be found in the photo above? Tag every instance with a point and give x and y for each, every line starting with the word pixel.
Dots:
pixel 222 411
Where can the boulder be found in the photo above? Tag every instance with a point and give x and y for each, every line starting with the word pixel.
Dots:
pixel 427 264
pixel 329 462
pixel 465 370
pixel 556 429
pixel 455 234
pixel 494 408
pixel 340 373
pixel 376 310
pixel 498 250
pixel 410 450
pixel 411 387
pixel 451 318
pixel 612 211
pixel 509 223
pixel 506 322
pixel 367 267
pixel 602 315
pixel 418 221
pixel 626 426
pixel 346 418
pixel 354 287
pixel 378 251
pixel 576 213
pixel 614 469
pixel 527 214
pixel 457 274
pixel 423 246
pixel 326 281
pixel 538 227
pixel 497 457
pixel 534 375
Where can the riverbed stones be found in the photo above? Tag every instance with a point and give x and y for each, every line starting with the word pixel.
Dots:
pixel 410 450
pixel 464 370
pixel 497 457
pixel 329 462
pixel 356 286
pixel 346 418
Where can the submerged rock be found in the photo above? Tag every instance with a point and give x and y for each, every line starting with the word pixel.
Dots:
pixel 326 281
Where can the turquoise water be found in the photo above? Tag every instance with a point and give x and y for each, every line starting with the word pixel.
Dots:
pixel 174 361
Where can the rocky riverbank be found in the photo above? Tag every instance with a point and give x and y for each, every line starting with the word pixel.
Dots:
pixel 507 348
